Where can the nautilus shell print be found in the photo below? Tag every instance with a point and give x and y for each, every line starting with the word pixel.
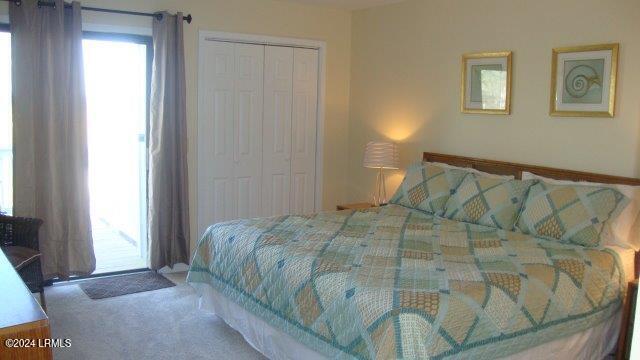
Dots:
pixel 583 80
pixel 580 79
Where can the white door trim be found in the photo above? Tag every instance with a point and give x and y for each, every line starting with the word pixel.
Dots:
pixel 321 46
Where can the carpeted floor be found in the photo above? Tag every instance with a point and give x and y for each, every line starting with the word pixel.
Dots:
pixel 160 324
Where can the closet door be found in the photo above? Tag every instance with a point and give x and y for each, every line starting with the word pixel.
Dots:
pixel 229 131
pixel 276 170
pixel 248 130
pixel 303 130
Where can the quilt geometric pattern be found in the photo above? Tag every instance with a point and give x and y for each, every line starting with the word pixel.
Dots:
pixel 427 187
pixel 488 201
pixel 570 213
pixel 392 282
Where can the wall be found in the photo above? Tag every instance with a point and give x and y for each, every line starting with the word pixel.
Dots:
pixel 263 17
pixel 405 84
pixel 393 72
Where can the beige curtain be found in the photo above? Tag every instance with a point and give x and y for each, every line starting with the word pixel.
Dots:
pixel 168 193
pixel 50 133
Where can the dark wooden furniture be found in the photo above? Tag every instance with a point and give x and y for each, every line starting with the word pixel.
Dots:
pixel 515 169
pixel 626 327
pixel 354 206
pixel 21 317
pixel 19 241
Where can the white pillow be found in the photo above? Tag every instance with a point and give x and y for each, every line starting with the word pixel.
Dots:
pixel 625 228
pixel 472 170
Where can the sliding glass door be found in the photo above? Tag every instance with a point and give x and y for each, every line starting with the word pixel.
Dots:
pixel 117 69
pixel 6 152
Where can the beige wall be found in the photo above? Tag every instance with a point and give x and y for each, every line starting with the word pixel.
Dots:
pixel 263 17
pixel 402 62
pixel 405 76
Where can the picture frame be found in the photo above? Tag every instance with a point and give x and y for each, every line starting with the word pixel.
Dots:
pixel 583 80
pixel 486 83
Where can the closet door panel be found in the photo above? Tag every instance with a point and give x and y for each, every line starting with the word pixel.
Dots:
pixel 229 132
pixel 215 134
pixel 247 130
pixel 303 130
pixel 276 175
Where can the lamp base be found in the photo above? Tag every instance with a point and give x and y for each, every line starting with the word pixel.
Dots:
pixel 380 196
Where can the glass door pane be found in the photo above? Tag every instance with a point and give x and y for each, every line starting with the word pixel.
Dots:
pixel 116 89
pixel 6 140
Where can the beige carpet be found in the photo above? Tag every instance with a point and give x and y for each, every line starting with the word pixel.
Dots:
pixel 159 324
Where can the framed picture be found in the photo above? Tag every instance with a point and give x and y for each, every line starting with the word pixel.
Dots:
pixel 486 83
pixel 583 80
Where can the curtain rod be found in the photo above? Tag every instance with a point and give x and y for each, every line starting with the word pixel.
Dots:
pixel 158 15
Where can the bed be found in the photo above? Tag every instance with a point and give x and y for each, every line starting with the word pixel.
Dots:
pixel 395 282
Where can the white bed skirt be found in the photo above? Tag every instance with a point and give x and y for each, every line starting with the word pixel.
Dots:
pixel 591 344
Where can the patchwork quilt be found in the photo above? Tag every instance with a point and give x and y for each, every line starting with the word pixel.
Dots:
pixel 392 282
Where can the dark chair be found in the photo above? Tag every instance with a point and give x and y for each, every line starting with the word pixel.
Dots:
pixel 19 241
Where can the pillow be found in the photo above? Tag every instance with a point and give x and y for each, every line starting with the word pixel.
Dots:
pixel 475 171
pixel 622 231
pixel 488 201
pixel 427 187
pixel 575 214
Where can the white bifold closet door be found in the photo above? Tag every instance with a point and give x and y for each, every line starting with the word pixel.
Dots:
pixel 276 166
pixel 303 130
pixel 230 135
pixel 289 142
pixel 256 131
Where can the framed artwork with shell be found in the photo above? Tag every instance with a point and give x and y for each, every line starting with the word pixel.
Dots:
pixel 583 80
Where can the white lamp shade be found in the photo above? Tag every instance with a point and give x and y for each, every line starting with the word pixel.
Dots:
pixel 381 154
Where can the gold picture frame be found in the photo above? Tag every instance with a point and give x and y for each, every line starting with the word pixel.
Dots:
pixel 496 98
pixel 588 73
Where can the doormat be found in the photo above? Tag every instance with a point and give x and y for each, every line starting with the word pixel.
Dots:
pixel 124 284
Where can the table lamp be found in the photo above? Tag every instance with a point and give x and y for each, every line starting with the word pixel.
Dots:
pixel 381 155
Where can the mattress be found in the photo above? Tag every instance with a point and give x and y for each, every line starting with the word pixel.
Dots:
pixel 394 282
pixel 591 344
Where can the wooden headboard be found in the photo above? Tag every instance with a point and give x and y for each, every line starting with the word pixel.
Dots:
pixel 509 168
pixel 515 169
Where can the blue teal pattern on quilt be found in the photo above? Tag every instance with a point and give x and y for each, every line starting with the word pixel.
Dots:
pixel 488 201
pixel 393 282
pixel 571 213
pixel 427 187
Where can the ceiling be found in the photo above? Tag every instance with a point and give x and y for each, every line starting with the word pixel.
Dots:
pixel 347 4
